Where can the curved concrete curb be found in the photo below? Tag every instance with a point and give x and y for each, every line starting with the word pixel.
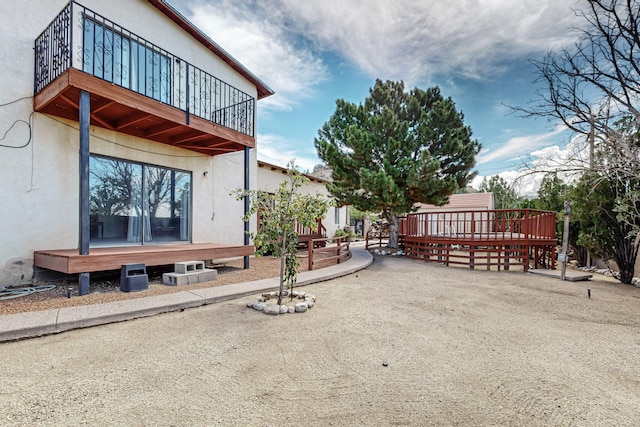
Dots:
pixel 34 324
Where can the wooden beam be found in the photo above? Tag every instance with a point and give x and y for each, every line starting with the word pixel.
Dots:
pixel 189 136
pixel 102 106
pixel 70 101
pixel 160 129
pixel 131 120
pixel 51 91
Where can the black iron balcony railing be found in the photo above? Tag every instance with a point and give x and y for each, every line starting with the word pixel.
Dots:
pixel 112 53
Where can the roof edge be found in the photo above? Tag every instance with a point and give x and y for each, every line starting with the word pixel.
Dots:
pixel 263 164
pixel 164 7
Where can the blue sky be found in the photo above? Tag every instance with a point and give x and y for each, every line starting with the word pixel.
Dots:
pixel 314 52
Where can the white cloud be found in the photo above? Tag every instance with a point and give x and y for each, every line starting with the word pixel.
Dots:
pixel 567 162
pixel 415 40
pixel 278 151
pixel 264 47
pixel 520 147
pixel 282 40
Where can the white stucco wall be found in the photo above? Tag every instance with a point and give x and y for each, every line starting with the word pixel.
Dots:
pixel 39 203
pixel 269 180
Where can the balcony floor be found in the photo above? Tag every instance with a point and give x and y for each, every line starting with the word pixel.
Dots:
pixel 121 110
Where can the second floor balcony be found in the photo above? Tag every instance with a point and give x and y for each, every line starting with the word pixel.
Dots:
pixel 136 87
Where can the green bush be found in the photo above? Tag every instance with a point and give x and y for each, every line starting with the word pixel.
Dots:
pixel 340 232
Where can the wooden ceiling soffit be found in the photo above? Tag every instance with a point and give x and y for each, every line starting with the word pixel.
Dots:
pixel 200 134
pixel 189 137
pixel 155 131
pixel 95 109
pixel 131 120
pixel 221 132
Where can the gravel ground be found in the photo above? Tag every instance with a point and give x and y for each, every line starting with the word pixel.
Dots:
pixel 106 287
pixel 400 343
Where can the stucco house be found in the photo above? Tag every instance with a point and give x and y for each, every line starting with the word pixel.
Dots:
pixel 270 176
pixel 461 202
pixel 124 129
pixel 442 217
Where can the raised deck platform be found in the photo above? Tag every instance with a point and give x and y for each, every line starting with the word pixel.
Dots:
pixel 70 261
pixel 498 239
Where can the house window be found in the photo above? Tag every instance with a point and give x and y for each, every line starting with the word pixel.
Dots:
pixel 117 58
pixel 134 203
pixel 337 215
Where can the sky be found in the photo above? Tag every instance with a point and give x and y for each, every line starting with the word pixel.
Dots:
pixel 478 52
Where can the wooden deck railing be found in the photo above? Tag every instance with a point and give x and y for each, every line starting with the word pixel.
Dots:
pixel 501 224
pixel 494 238
pixel 329 248
pixel 306 234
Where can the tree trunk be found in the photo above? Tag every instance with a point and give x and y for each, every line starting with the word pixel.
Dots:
pixel 282 266
pixel 393 230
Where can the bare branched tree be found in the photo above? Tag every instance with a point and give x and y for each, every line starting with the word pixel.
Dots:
pixel 593 89
pixel 595 83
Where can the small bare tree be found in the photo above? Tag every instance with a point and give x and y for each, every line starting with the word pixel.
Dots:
pixel 280 215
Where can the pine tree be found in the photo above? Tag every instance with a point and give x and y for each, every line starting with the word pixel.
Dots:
pixel 396 149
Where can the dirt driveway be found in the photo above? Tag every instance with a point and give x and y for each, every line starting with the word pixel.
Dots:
pixel 400 343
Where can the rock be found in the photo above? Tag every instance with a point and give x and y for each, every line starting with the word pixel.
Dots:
pixel 291 309
pixel 301 307
pixel 310 303
pixel 294 294
pixel 271 309
pixel 283 309
pixel 259 305
pixel 383 253
pixel 301 295
pixel 269 295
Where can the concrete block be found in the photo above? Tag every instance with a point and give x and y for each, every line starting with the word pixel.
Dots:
pixel 133 278
pixel 179 279
pixel 207 275
pixel 188 266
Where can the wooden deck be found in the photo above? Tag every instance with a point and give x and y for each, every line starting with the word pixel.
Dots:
pixel 498 239
pixel 70 261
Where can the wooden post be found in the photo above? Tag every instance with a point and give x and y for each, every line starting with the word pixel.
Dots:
pixel 310 251
pixel 565 239
pixel 84 223
pixel 339 243
pixel 472 256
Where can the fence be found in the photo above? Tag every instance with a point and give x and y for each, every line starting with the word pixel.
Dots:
pixel 328 248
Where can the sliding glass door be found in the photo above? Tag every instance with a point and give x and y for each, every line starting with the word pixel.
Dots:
pixel 135 203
